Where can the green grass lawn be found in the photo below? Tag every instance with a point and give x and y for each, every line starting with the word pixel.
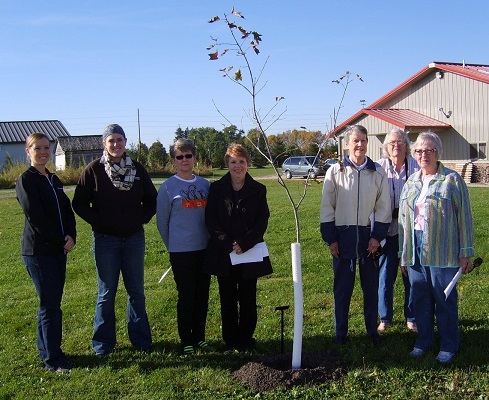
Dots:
pixel 386 372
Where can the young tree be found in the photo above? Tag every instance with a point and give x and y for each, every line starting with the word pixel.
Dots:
pixel 249 40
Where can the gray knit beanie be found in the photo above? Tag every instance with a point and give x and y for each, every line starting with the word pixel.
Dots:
pixel 111 129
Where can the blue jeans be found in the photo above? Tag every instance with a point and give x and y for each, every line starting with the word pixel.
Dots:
pixel 114 255
pixel 344 281
pixel 428 284
pixel 48 274
pixel 389 266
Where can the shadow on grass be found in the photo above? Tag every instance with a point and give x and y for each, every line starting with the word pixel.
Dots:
pixel 266 368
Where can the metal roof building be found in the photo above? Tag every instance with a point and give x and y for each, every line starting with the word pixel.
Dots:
pixel 13 135
pixel 451 99
pixel 78 150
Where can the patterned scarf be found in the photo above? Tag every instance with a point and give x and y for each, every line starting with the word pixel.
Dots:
pixel 122 176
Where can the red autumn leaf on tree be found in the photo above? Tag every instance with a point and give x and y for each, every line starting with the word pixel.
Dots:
pixel 214 56
pixel 214 19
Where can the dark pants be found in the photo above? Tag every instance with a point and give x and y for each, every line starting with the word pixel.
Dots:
pixel 193 295
pixel 48 274
pixel 344 280
pixel 238 309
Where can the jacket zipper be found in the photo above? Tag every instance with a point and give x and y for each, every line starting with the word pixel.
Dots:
pixel 50 180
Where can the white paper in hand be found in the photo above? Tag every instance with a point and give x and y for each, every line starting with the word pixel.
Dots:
pixel 255 254
pixel 452 284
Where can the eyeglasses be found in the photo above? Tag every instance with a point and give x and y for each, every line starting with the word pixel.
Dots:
pixel 425 151
pixel 398 142
pixel 180 157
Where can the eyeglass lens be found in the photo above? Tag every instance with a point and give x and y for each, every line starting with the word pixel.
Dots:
pixel 426 151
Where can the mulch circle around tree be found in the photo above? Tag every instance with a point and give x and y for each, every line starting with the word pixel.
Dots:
pixel 273 371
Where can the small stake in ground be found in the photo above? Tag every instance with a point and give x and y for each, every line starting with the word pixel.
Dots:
pixel 282 309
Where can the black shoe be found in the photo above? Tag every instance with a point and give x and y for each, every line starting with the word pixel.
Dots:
pixel 205 347
pixel 60 365
pixel 376 340
pixel 188 351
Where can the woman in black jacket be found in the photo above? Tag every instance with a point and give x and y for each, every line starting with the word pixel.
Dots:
pixel 237 217
pixel 49 234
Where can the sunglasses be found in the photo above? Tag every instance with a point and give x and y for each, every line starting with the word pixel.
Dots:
pixel 180 157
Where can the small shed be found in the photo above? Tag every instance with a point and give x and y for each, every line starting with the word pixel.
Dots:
pixel 78 150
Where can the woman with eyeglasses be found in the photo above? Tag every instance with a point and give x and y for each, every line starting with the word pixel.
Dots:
pixel 180 216
pixel 398 165
pixel 435 240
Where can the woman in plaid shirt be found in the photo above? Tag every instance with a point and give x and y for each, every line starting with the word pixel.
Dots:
pixel 435 240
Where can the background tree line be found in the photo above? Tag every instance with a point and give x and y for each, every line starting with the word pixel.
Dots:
pixel 211 146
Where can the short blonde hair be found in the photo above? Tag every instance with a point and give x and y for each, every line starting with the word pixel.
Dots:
pixel 237 150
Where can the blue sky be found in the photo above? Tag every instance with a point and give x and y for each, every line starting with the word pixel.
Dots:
pixel 90 63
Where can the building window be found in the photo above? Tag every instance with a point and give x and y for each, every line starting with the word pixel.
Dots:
pixel 478 151
pixel 482 151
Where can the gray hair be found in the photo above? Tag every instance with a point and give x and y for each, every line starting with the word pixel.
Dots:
pixel 431 136
pixel 182 145
pixel 354 128
pixel 405 137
